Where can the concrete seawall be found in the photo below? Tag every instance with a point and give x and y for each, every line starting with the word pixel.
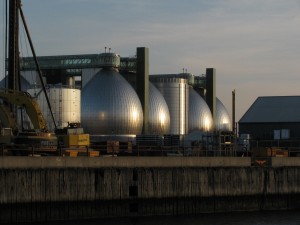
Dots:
pixel 130 162
pixel 46 188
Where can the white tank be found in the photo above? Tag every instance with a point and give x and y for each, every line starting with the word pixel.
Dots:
pixel 65 104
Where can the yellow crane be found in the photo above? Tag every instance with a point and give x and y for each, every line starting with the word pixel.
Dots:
pixel 38 138
pixel 23 99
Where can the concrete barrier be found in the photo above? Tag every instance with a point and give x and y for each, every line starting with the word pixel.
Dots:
pixel 95 162
pixel 36 189
pixel 285 161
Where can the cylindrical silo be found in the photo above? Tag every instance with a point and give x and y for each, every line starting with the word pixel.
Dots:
pixel 65 104
pixel 176 93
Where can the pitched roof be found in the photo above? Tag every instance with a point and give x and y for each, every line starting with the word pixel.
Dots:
pixel 273 109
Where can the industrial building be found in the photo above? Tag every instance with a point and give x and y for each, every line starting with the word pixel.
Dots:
pixel 272 122
pixel 272 118
pixel 114 97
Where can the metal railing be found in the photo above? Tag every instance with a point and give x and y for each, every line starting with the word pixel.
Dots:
pixel 133 150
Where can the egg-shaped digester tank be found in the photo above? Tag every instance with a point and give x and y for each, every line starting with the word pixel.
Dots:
pixel 159 116
pixel 200 118
pixel 110 105
pixel 223 121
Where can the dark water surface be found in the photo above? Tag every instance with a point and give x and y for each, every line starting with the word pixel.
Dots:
pixel 249 218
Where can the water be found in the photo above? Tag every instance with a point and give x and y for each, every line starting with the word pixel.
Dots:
pixel 249 218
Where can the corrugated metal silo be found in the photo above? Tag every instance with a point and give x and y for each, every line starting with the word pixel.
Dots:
pixel 65 104
pixel 176 94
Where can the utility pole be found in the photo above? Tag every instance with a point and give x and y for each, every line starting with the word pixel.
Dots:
pixel 233 113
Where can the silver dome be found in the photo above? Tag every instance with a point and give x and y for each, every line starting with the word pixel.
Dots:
pixel 223 121
pixel 109 105
pixel 159 116
pixel 200 118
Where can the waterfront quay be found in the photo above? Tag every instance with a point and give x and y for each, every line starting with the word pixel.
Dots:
pixel 64 188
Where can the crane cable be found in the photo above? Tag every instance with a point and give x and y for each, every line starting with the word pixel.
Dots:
pixel 27 51
pixel 37 65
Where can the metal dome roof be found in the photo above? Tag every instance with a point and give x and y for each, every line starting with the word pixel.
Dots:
pixel 200 118
pixel 109 105
pixel 159 116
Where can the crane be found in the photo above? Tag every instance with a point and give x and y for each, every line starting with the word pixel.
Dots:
pixel 23 99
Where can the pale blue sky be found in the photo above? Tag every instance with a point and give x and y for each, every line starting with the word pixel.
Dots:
pixel 253 44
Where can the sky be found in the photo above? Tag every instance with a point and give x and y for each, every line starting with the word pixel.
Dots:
pixel 254 45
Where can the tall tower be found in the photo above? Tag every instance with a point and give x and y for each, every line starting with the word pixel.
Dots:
pixel 142 79
pixel 211 93
pixel 13 46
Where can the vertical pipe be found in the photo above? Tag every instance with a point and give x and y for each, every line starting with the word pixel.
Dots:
pixel 6 40
pixel 37 65
pixel 211 93
pixel 233 112
pixel 142 83
pixel 70 81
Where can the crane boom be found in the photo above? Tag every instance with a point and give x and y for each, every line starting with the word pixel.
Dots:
pixel 7 119
pixel 25 100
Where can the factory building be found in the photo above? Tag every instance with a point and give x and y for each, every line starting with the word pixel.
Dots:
pixel 116 97
pixel 272 118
